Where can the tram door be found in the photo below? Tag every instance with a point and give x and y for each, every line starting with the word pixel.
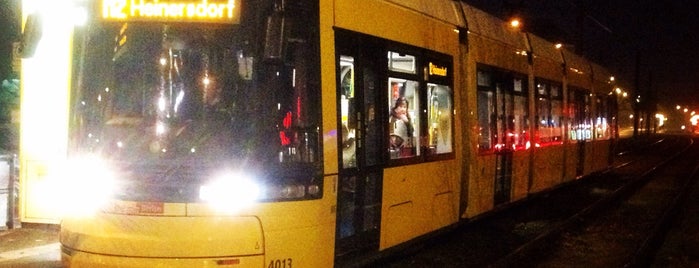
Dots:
pixel 580 165
pixel 360 175
pixel 504 127
pixel 503 177
pixel 579 104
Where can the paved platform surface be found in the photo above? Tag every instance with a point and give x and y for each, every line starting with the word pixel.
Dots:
pixel 32 245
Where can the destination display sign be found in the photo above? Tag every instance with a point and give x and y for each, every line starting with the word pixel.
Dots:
pixel 211 11
pixel 437 70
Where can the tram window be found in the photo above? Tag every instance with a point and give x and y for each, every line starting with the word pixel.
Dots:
pixel 572 111
pixel 587 116
pixel 502 111
pixel 404 118
pixel 520 117
pixel 556 113
pixel 543 115
pixel 486 112
pixel 575 120
pixel 401 63
pixel 549 110
pixel 504 119
pixel 349 124
pixel 439 118
pixel 602 124
pixel 580 123
pixel 484 79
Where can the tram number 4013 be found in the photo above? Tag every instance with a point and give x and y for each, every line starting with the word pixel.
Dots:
pixel 283 263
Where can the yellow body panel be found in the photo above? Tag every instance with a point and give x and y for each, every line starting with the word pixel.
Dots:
pixel 164 236
pixel 572 158
pixel 389 21
pixel 548 167
pixel 597 155
pixel 418 199
pixel 90 260
pixel 328 91
pixel 481 185
pixel 520 175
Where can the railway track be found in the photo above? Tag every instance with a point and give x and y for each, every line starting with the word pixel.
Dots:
pixel 621 230
pixel 550 229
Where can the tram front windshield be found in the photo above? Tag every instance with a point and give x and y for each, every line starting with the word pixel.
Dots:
pixel 171 105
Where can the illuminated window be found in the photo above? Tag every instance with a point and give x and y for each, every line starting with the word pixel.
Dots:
pixel 548 113
pixel 404 117
pixel 557 112
pixel 580 117
pixel 349 121
pixel 520 116
pixel 420 107
pixel 439 119
pixel 502 111
pixel 486 112
pixel 403 63
pixel 603 121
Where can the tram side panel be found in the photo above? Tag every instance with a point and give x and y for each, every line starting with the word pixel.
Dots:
pixel 483 182
pixel 549 161
pixel 598 156
pixel 548 168
pixel 572 160
pixel 387 20
pixel 520 175
pixel 477 185
pixel 417 203
pixel 421 197
pixel 577 89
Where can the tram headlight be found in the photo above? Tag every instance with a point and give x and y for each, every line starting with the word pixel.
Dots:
pixel 230 192
pixel 83 186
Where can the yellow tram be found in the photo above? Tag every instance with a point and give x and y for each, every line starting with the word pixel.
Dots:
pixel 289 133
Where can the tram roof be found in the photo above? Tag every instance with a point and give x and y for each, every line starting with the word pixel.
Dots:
pixel 481 23
pixel 578 69
pixel 545 49
pixel 444 10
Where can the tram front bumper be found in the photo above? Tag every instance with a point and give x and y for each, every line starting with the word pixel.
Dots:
pixel 112 240
pixel 79 259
